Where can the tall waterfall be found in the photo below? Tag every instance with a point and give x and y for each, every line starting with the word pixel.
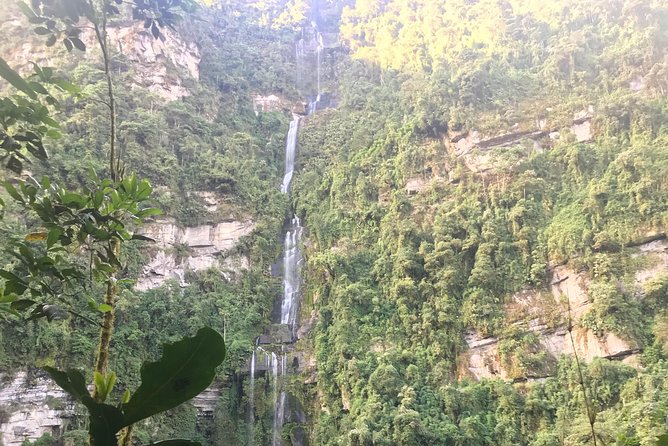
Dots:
pixel 276 363
pixel 292 260
pixel 320 47
pixel 290 149
pixel 279 415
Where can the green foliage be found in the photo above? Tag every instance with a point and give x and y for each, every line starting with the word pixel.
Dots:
pixel 93 220
pixel 185 369
pixel 401 275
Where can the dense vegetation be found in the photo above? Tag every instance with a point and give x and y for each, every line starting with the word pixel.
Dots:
pixel 398 276
pixel 210 140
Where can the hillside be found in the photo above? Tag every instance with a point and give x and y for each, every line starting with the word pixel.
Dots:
pixel 472 240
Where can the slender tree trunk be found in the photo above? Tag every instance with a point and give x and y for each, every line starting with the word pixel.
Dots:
pixel 591 415
pixel 102 361
pixel 101 34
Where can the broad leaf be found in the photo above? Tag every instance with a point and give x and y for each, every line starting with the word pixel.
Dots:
pixel 186 368
pixel 72 382
pixel 15 79
pixel 105 422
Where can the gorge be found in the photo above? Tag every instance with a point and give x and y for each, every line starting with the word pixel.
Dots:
pixel 413 223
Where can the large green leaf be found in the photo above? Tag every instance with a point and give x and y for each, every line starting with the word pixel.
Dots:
pixel 186 368
pixel 15 79
pixel 662 440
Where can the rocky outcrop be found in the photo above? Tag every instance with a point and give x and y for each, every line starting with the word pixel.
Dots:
pixel 655 254
pixel 30 407
pixel 415 185
pixel 160 66
pixel 206 402
pixel 474 147
pixel 274 103
pixel 545 314
pixel 196 248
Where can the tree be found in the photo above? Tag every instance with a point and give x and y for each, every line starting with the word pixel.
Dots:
pixel 97 221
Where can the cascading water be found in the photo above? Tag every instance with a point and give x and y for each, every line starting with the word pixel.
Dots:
pixel 291 283
pixel 279 415
pixel 276 364
pixel 291 273
pixel 320 47
pixel 290 149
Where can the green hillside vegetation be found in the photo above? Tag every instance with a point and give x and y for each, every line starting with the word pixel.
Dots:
pixel 396 276
pixel 210 140
pixel 397 279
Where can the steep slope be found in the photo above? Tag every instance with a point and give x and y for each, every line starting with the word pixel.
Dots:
pixel 188 121
pixel 488 198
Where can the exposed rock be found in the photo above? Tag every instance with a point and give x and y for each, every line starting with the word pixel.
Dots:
pixel 193 248
pixel 267 103
pixel 566 283
pixel 35 406
pixel 465 144
pixel 210 200
pixel 294 414
pixel 306 327
pixel 160 269
pixel 530 310
pixel 416 185
pixel 482 358
pixel 213 238
pixel 582 131
pixel 473 147
pixel 637 83
pixel 656 255
pixel 279 334
pixel 160 65
pixel 206 402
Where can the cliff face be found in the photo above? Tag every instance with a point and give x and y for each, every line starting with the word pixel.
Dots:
pixel 162 66
pixel 31 406
pixel 196 248
pixel 545 315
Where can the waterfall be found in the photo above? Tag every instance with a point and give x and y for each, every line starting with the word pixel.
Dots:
pixel 276 369
pixel 320 47
pixel 290 149
pixel 292 260
pixel 279 415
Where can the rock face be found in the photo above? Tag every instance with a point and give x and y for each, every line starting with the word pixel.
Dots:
pixel 194 248
pixel 160 66
pixel 31 407
pixel 415 185
pixel 546 315
pixel 206 402
pixel 474 148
